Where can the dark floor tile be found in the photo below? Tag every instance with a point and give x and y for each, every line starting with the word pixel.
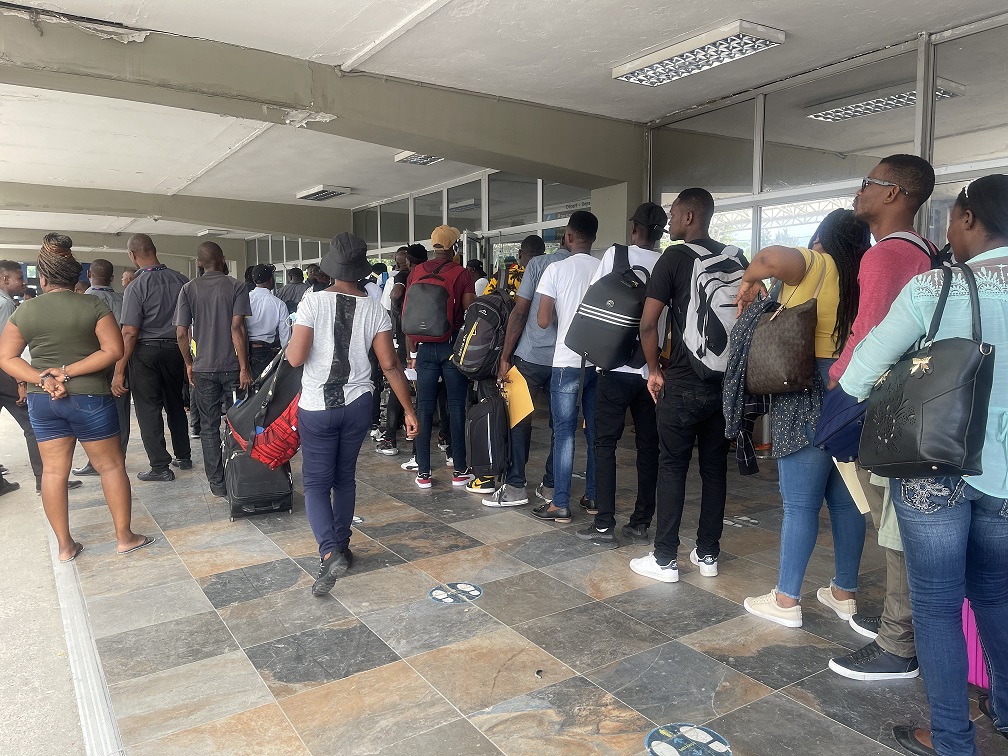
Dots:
pixel 765 651
pixel 278 614
pixel 425 625
pixel 458 738
pixel 527 596
pixel 776 724
pixel 177 511
pixel 305 660
pixel 675 608
pixel 247 583
pixel 163 646
pixel 590 636
pixel 381 531
pixel 468 506
pixel 428 542
pixel 367 556
pixel 549 548
pixel 674 683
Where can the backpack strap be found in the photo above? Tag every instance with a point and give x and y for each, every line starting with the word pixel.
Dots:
pixel 434 273
pixel 925 246
pixel 502 278
pixel 621 258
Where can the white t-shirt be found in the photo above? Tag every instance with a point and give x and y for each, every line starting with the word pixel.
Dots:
pixel 644 258
pixel 481 284
pixel 566 282
pixel 337 370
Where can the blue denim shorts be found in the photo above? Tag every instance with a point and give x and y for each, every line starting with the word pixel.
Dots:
pixel 86 417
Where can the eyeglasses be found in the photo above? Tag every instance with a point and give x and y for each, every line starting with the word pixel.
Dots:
pixel 868 180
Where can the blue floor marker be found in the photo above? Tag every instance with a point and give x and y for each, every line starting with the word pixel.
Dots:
pixel 682 739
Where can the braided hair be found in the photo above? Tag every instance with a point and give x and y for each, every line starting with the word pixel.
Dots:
pixel 845 239
pixel 56 262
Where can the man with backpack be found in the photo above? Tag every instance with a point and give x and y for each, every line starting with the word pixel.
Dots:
pixel 699 275
pixel 889 198
pixel 624 388
pixel 572 382
pixel 437 294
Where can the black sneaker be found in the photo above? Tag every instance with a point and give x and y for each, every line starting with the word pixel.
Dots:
pixel 6 486
pixel 591 533
pixel 549 512
pixel 874 663
pixel 636 532
pixel 330 569
pixel 865 625
pixel 220 493
pixel 84 470
pixel 182 464
pixel 589 506
pixel 162 476
pixel 71 485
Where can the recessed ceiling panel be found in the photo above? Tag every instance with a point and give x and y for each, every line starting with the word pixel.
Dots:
pixel 63 222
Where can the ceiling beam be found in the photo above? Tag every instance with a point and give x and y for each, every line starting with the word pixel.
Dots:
pixel 426 11
pixel 237 215
pixel 212 77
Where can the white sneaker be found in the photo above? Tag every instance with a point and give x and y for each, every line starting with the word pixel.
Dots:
pixel 707 565
pixel 767 607
pixel 648 567
pixel 844 608
pixel 449 462
pixel 507 496
pixel 411 465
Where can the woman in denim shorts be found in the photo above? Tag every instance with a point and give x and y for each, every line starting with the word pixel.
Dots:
pixel 73 338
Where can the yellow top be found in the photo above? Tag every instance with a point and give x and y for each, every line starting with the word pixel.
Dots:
pixel 827 301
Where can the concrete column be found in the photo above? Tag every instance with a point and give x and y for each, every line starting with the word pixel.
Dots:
pixel 613 206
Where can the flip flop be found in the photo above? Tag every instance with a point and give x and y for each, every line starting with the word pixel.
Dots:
pixel 80 548
pixel 148 540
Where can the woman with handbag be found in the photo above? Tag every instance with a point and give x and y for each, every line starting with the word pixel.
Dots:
pixel 818 283
pixel 954 528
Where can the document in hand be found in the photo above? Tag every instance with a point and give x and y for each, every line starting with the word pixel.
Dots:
pixel 519 400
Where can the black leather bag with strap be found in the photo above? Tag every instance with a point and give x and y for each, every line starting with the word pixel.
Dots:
pixel 927 415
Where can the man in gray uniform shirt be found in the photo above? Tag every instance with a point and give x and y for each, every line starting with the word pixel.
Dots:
pixel 156 369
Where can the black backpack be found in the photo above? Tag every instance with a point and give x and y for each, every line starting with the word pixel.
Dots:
pixel 488 429
pixel 939 257
pixel 430 303
pixel 606 328
pixel 479 343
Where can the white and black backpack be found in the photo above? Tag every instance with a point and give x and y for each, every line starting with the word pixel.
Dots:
pixel 711 311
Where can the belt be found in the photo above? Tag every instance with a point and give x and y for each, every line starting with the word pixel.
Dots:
pixel 260 344
pixel 162 343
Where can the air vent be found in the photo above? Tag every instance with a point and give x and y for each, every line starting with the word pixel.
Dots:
pixel 322 192
pixel 213 232
pixel 415 158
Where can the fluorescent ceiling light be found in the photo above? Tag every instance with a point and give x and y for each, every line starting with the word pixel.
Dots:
pixel 216 232
pixel 722 45
pixel 878 101
pixel 322 192
pixel 415 158
pixel 459 206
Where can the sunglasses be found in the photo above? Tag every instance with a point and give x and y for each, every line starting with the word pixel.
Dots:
pixel 868 180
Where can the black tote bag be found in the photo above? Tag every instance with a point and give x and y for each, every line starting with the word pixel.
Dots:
pixel 927 416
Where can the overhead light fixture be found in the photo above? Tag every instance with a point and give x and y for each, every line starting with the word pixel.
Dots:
pixel 213 232
pixel 879 101
pixel 415 158
pixel 322 192
pixel 714 48
pixel 460 206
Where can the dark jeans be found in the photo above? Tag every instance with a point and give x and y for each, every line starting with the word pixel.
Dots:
pixel 378 379
pixel 433 362
pixel 330 443
pixel 123 409
pixel 690 413
pixel 538 378
pixel 20 413
pixel 210 390
pixel 614 394
pixel 157 373
pixel 260 357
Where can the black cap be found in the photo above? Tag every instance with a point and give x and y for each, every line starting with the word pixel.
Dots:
pixel 262 273
pixel 347 258
pixel 650 215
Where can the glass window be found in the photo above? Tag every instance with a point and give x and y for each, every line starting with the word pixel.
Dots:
pixel 560 200
pixel 276 250
pixel 395 223
pixel 969 119
pixel 513 200
pixel 505 248
pixel 311 251
pixel 553 238
pixel 713 150
pixel 942 199
pixel 465 206
pixel 840 126
pixel 262 249
pixel 729 227
pixel 793 224
pixel 292 250
pixel 250 252
pixel 427 215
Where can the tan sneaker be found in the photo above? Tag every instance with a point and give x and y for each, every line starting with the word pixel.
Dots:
pixel 845 608
pixel 768 608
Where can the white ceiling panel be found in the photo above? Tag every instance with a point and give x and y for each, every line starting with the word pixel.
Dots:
pixel 63 222
pixel 69 139
pixel 282 161
pixel 176 228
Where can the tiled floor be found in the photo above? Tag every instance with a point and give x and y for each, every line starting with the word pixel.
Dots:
pixel 212 643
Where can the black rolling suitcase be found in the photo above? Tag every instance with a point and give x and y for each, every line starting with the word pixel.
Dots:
pixel 252 487
pixel 488 437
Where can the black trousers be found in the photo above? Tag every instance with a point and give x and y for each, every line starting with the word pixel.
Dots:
pixel 615 393
pixel 691 413
pixel 260 357
pixel 157 374
pixel 378 379
pixel 20 413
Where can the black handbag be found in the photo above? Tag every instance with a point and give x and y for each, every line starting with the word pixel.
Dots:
pixel 927 416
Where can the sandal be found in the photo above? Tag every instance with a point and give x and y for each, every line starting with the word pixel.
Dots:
pixel 80 548
pixel 148 540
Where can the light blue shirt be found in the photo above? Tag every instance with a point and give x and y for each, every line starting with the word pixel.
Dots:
pixel 908 321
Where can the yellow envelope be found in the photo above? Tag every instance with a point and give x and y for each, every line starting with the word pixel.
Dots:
pixel 519 400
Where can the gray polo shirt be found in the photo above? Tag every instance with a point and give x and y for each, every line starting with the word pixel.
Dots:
pixel 208 304
pixel 112 298
pixel 536 344
pixel 149 302
pixel 7 308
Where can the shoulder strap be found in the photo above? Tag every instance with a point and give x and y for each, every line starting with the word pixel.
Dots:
pixel 621 258
pixel 908 236
pixel 436 273
pixel 502 275
pixel 698 249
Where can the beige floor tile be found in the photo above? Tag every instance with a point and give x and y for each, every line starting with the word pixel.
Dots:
pixel 263 731
pixel 501 527
pixel 479 565
pixel 381 589
pixel 600 575
pixel 221 546
pixel 147 606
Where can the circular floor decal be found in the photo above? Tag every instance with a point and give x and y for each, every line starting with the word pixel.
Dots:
pixel 683 739
pixel 455 593
pixel 357 520
pixel 467 590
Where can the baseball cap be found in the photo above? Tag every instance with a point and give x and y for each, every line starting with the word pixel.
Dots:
pixel 262 273
pixel 444 237
pixel 650 215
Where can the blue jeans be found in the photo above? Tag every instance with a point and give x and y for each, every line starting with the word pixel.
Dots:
pixel 538 378
pixel 806 478
pixel 433 362
pixel 956 543
pixel 330 444
pixel 564 401
pixel 86 417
